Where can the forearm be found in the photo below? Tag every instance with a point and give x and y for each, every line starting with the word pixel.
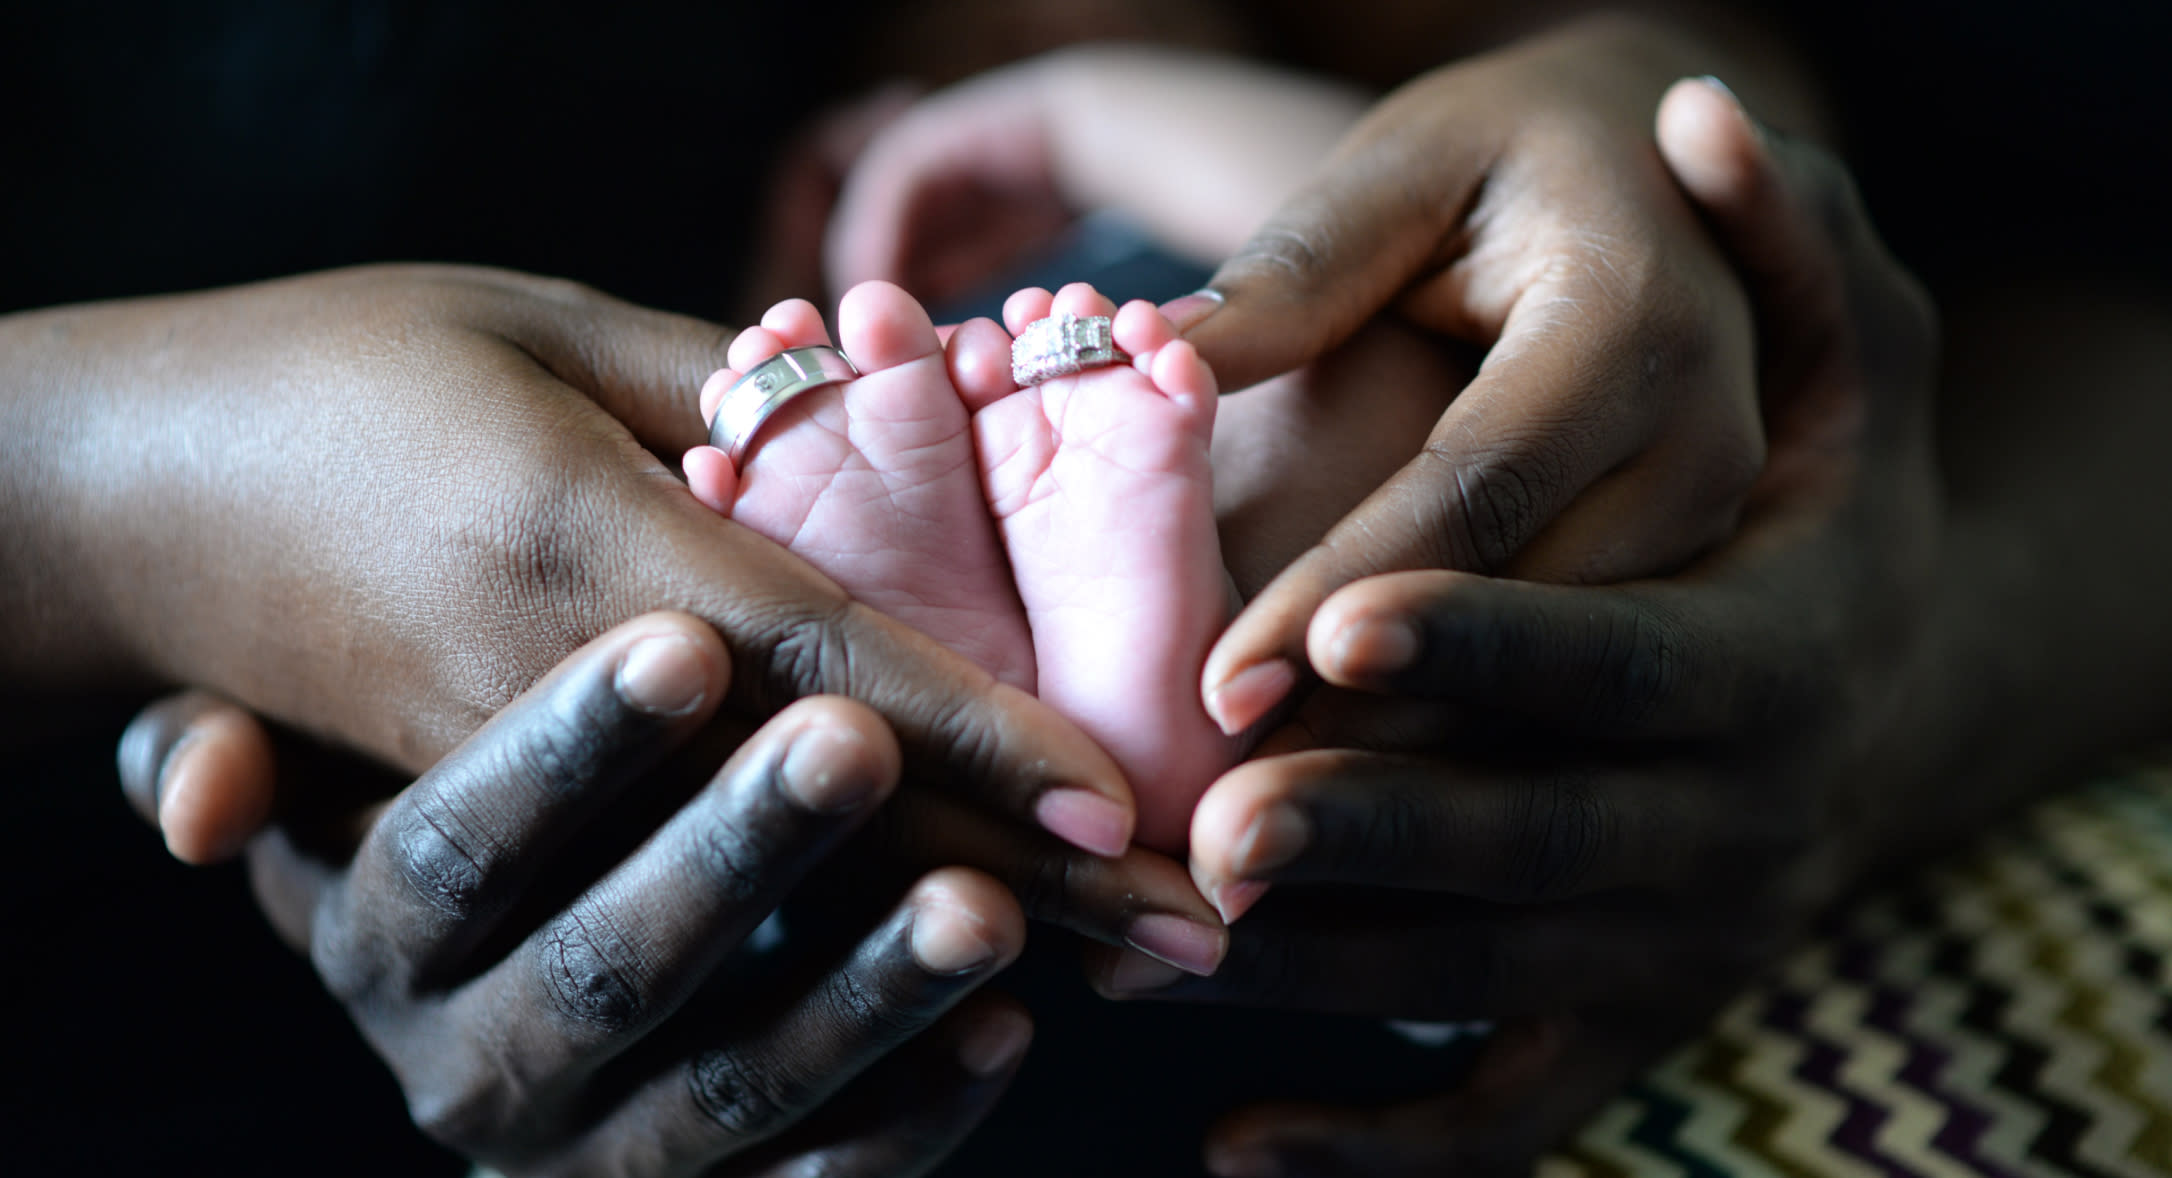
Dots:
pixel 2053 648
pixel 1200 149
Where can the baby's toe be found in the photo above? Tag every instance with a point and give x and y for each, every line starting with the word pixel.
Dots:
pixel 797 323
pixel 883 327
pixel 753 346
pixel 980 363
pixel 1082 300
pixel 1025 307
pixel 1140 328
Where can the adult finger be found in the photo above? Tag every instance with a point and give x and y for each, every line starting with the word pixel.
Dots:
pixel 201 770
pixel 600 974
pixel 1393 955
pixel 1536 1082
pixel 1143 900
pixel 1688 657
pixel 794 633
pixel 1564 410
pixel 1828 292
pixel 1344 246
pixel 459 846
pixel 912 1109
pixel 1504 833
pixel 953 931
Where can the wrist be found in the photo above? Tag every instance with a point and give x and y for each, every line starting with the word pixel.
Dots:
pixel 57 624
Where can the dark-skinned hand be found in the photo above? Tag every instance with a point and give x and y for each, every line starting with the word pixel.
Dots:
pixel 550 936
pixel 1593 814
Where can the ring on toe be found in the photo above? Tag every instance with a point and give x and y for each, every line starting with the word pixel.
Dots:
pixel 767 387
pixel 1063 345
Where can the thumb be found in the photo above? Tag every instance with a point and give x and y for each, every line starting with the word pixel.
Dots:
pixel 1374 222
pixel 200 769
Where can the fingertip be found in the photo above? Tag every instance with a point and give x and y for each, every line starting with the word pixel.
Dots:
pixel 671 667
pixel 1087 820
pixel 964 922
pixel 216 789
pixel 1240 697
pixel 1357 640
pixel 1710 142
pixel 995 1039
pixel 839 756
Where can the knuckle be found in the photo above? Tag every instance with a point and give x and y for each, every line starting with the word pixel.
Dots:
pixel 1048 886
pixel 1638 658
pixel 745 1100
pixel 1492 502
pixel 352 973
pixel 439 859
pixel 590 972
pixel 1559 829
pixel 457 1108
pixel 730 856
pixel 873 1009
pixel 808 654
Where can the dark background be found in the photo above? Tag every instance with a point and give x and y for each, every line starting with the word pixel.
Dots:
pixel 153 1024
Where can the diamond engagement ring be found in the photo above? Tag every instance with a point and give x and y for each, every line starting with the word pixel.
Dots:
pixel 766 388
pixel 1063 345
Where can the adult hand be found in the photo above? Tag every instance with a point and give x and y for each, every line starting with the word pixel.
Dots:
pixel 376 504
pixel 1684 771
pixel 559 990
pixel 1516 202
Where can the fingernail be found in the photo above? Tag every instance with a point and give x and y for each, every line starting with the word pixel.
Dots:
pixel 663 675
pixel 1241 1161
pixel 828 770
pixel 1275 837
pixel 994 1043
pixel 946 941
pixel 1192 310
pixel 1233 900
pixel 173 768
pixel 1244 697
pixel 1742 109
pixel 1184 944
pixel 1086 820
pixel 1136 973
pixel 1377 648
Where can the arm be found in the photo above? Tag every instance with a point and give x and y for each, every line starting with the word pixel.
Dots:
pixel 1197 148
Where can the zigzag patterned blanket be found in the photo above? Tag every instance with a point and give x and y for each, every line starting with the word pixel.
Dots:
pixel 2007 1014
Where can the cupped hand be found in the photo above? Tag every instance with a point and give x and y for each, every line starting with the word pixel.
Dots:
pixel 1670 777
pixel 1515 202
pixel 376 504
pixel 563 984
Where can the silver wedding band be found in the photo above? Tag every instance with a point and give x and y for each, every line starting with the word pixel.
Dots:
pixel 767 387
pixel 1063 345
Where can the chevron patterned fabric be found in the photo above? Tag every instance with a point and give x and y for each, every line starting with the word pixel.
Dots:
pixel 2005 1014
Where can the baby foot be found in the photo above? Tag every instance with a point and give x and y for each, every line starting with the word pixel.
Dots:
pixel 874 482
pixel 1103 490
